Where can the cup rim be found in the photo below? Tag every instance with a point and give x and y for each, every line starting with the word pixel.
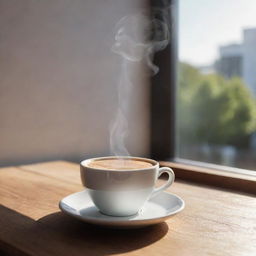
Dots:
pixel 154 163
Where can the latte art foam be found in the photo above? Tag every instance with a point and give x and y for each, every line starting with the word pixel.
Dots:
pixel 119 164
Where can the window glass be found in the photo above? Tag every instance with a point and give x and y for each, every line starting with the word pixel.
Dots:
pixel 216 106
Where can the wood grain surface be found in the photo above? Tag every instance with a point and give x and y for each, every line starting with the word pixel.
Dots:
pixel 214 221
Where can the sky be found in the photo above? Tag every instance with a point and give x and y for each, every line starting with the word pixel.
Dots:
pixel 204 25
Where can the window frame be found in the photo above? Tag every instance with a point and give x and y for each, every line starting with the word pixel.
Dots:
pixel 163 90
pixel 163 116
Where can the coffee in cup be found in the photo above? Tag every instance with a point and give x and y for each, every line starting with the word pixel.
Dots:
pixel 120 186
pixel 119 164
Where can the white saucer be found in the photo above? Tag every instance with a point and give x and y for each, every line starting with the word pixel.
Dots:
pixel 156 210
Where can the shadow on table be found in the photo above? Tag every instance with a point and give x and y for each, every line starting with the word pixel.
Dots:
pixel 86 237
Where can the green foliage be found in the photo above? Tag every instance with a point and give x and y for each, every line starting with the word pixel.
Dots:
pixel 212 109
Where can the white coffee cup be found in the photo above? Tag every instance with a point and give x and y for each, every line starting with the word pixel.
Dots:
pixel 123 192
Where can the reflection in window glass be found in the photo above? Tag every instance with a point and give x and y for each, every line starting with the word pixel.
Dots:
pixel 216 106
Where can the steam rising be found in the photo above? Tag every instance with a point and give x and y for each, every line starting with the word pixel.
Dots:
pixel 137 38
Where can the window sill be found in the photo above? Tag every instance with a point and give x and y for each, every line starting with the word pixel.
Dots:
pixel 218 178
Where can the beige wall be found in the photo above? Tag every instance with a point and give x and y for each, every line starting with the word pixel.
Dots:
pixel 58 80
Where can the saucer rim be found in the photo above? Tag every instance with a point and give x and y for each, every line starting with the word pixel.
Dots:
pixel 123 223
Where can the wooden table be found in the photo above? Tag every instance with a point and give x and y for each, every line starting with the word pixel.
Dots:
pixel 214 222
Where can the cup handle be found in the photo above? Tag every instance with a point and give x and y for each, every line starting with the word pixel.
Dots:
pixel 169 182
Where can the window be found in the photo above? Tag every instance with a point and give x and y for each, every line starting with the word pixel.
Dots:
pixel 211 117
pixel 216 102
